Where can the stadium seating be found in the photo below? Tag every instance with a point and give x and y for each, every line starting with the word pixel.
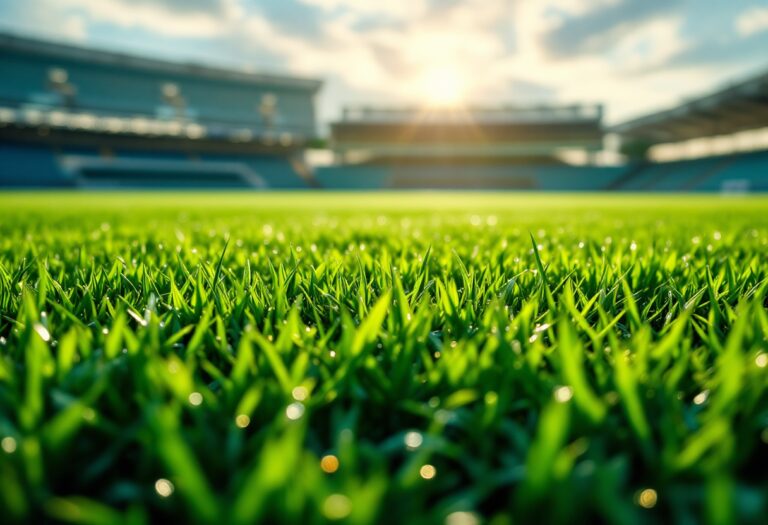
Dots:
pixel 156 170
pixel 576 178
pixel 741 172
pixel 110 85
pixel 747 172
pixel 565 178
pixel 30 167
pixel 276 172
pixel 353 177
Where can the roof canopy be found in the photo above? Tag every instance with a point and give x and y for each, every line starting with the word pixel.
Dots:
pixel 30 46
pixel 739 107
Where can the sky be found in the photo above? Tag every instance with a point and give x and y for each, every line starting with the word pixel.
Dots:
pixel 634 56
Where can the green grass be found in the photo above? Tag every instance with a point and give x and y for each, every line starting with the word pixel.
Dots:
pixel 555 359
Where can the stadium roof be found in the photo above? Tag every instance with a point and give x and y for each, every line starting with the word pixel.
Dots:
pixel 738 107
pixel 122 60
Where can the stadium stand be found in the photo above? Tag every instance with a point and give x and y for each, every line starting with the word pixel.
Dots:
pixel 737 108
pixel 474 148
pixel 30 166
pixel 469 177
pixel 72 117
pixel 517 147
pixel 75 117
pixel 507 134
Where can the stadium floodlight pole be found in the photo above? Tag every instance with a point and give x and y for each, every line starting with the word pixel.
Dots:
pixel 58 81
pixel 268 110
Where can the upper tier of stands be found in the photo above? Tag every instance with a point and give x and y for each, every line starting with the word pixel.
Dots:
pixel 40 77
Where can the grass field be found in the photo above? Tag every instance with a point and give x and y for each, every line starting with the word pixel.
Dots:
pixel 400 358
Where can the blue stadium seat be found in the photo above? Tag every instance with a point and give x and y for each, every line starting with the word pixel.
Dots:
pixel 276 172
pixel 353 177
pixel 748 172
pixel 30 167
pixel 565 178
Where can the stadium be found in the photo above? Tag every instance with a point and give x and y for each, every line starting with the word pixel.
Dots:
pixel 67 122
pixel 474 262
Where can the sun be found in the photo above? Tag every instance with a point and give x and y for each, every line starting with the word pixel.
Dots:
pixel 443 86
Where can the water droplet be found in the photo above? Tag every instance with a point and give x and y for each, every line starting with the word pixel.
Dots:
pixel 8 445
pixel 701 397
pixel 43 332
pixel 163 487
pixel 294 411
pixel 427 471
pixel 195 399
pixel 329 464
pixel 337 506
pixel 413 440
pixel 462 518
pixel 647 498
pixel 563 394
pixel 300 393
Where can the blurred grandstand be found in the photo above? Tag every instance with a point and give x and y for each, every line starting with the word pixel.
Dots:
pixel 80 118
pixel 716 143
pixel 466 148
pixel 74 117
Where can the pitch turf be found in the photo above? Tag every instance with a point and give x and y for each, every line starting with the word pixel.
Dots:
pixel 403 358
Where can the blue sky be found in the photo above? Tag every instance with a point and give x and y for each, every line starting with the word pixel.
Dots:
pixel 633 55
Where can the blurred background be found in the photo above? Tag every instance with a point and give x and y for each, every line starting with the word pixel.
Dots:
pixel 561 95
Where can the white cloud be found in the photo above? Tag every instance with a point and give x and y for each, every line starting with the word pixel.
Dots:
pixel 752 21
pixel 497 46
pixel 391 8
pixel 74 27
pixel 650 45
pixel 155 17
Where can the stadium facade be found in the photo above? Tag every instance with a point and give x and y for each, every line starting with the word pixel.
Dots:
pixel 75 117
pixel 81 118
pixel 506 147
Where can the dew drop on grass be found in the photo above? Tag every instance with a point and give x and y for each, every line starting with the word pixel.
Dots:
pixel 427 471
pixel 42 331
pixel 294 411
pixel 413 440
pixel 647 498
pixel 164 488
pixel 563 394
pixel 329 463
pixel 195 399
pixel 462 518
pixel 300 393
pixel 8 444
pixel 701 397
pixel 337 507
